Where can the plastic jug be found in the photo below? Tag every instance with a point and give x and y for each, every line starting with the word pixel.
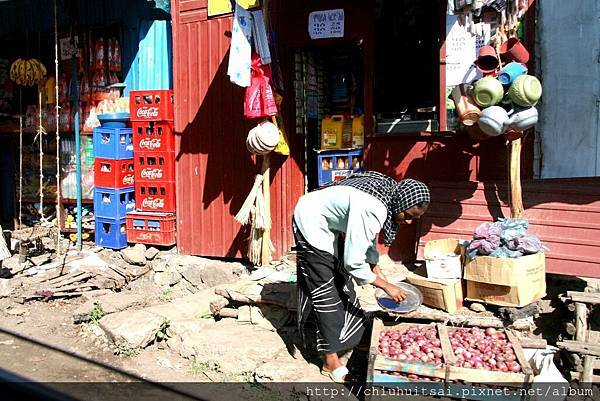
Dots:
pixel 331 132
pixel 358 132
pixel 347 131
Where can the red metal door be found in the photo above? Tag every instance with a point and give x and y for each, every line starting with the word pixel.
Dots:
pixel 214 171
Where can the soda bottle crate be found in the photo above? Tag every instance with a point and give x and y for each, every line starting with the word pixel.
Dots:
pixel 333 165
pixel 110 173
pixel 110 233
pixel 154 166
pixel 113 143
pixel 113 203
pixel 151 105
pixel 153 136
pixel 155 196
pixel 151 228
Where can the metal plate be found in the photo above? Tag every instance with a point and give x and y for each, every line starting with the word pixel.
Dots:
pixel 413 300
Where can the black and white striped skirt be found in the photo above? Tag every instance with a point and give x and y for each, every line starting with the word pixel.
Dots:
pixel 327 290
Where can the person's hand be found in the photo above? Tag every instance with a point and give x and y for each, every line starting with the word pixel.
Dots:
pixel 377 270
pixel 395 292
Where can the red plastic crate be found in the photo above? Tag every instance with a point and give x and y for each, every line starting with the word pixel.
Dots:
pixel 151 105
pixel 151 228
pixel 154 166
pixel 110 173
pixel 153 136
pixel 155 196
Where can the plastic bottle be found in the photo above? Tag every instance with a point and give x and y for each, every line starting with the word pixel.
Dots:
pixel 116 55
pixel 99 54
pixel 358 132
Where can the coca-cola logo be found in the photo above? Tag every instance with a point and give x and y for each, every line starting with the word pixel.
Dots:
pixel 148 143
pixel 152 173
pixel 128 180
pixel 150 203
pixel 145 236
pixel 147 112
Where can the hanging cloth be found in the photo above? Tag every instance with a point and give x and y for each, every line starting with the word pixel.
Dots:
pixel 261 41
pixel 240 53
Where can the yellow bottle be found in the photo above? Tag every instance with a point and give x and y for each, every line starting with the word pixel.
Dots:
pixel 331 132
pixel 358 132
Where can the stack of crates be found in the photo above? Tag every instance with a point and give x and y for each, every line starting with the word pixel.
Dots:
pixel 152 114
pixel 114 193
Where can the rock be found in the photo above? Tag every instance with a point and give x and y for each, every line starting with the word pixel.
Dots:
pixel 137 328
pixel 193 274
pixel 477 307
pixel 285 369
pixel 136 271
pixel 159 265
pixel 191 307
pixel 244 314
pixel 217 273
pixel 183 288
pixel 134 256
pixel 41 259
pixel 238 269
pixel 167 278
pixel 140 248
pixel 6 287
pixel 151 253
pixel 13 264
pixel 17 311
pixel 222 341
pixel 110 303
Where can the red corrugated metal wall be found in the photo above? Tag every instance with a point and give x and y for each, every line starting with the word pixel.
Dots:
pixel 565 214
pixel 214 170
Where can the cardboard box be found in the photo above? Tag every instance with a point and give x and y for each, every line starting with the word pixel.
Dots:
pixel 447 268
pixel 438 293
pixel 506 281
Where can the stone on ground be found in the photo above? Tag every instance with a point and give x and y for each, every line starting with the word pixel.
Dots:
pixel 135 255
pixel 151 253
pixel 209 272
pixel 477 307
pixel 137 328
pixel 167 278
pixel 41 259
pixel 110 303
pixel 192 306
pixel 238 348
pixel 6 287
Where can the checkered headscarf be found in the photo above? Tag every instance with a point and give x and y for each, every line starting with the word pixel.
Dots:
pixel 396 196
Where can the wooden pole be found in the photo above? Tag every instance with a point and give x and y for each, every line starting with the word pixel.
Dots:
pixel 514 179
pixel 266 238
pixel 581 325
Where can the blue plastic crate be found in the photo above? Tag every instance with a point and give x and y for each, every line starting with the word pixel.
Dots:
pixel 113 143
pixel 113 203
pixel 110 233
pixel 333 165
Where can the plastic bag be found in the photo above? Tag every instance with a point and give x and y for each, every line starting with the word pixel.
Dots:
pixel 259 100
pixel 549 384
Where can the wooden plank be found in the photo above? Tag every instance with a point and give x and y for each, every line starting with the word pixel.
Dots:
pixel 519 353
pixel 449 356
pixel 74 287
pixel 417 368
pixel 453 319
pixel 538 343
pixel 581 324
pixel 588 371
pixel 577 376
pixel 585 297
pixel 375 330
pixel 66 277
pixel 74 279
pixel 486 376
pixel 580 347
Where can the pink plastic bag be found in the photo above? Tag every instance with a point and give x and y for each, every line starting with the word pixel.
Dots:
pixel 259 100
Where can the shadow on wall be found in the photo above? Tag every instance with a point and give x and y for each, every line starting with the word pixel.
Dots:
pixel 215 169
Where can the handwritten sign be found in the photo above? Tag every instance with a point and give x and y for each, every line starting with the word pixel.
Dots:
pixel 462 49
pixel 67 51
pixel 326 24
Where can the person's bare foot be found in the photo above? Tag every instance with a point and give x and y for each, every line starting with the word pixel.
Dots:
pixel 331 362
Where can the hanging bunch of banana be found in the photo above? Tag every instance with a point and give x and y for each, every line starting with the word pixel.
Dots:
pixel 27 72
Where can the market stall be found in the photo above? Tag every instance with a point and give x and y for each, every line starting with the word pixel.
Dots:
pixel 61 69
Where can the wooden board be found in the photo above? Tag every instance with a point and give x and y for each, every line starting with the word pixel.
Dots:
pixel 446 371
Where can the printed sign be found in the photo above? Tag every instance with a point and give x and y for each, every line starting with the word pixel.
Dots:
pixel 67 51
pixel 326 24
